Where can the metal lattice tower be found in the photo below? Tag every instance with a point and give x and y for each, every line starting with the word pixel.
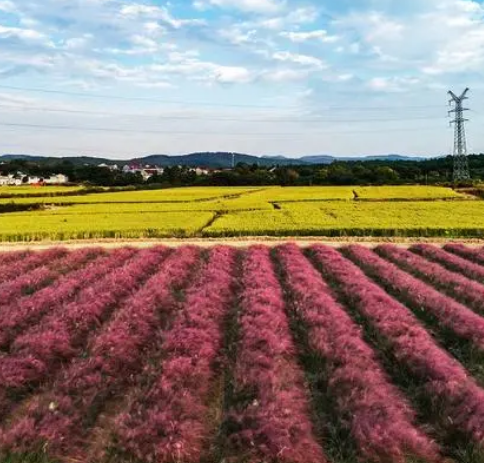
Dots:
pixel 461 164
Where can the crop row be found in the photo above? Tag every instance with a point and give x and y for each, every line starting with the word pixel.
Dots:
pixel 115 358
pixel 451 261
pixel 269 419
pixel 379 418
pixel 356 218
pixel 29 310
pixel 260 355
pixel 44 275
pixel 13 268
pixel 40 350
pixel 454 284
pixel 448 312
pixel 410 344
pixel 170 418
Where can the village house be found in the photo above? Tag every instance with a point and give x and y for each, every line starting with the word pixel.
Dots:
pixel 59 179
pixel 21 179
pixel 10 180
pixel 146 171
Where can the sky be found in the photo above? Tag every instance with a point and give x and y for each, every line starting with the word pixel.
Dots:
pixel 120 78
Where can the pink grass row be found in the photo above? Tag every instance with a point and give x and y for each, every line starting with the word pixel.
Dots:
pixel 272 422
pixel 115 358
pixel 447 383
pixel 12 270
pixel 473 254
pixel 379 418
pixel 448 312
pixel 170 422
pixel 29 310
pixel 13 256
pixel 455 285
pixel 450 261
pixel 60 336
pixel 45 275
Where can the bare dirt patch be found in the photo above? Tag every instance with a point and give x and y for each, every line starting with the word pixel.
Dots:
pixel 237 242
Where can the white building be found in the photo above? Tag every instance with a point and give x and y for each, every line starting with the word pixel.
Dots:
pixel 10 180
pixel 59 179
pixel 34 180
pixel 146 172
pixel 199 171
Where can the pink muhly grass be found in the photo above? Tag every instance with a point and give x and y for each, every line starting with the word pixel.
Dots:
pixel 451 261
pixel 443 377
pixel 12 270
pixel 116 357
pixel 378 416
pixel 273 424
pixel 448 312
pixel 454 284
pixel 29 310
pixel 40 350
pixel 12 256
pixel 472 254
pixel 44 275
pixel 171 422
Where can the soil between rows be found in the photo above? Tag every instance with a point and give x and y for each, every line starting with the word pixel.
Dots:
pixel 236 242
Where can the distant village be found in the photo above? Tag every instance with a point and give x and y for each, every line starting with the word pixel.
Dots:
pixel 19 179
pixel 146 172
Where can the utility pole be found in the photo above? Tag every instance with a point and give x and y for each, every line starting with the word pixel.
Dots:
pixel 461 163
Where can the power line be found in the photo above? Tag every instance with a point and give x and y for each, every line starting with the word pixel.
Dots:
pixel 203 103
pixel 103 151
pixel 211 118
pixel 187 132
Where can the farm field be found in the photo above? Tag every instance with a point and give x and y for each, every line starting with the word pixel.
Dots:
pixel 393 211
pixel 355 218
pixel 24 191
pixel 281 355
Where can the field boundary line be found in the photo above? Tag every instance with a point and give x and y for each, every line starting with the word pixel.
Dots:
pixel 245 241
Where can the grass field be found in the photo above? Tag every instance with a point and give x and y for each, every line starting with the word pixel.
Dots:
pixel 42 226
pixel 281 355
pixel 174 195
pixel 12 191
pixel 399 211
pixel 436 218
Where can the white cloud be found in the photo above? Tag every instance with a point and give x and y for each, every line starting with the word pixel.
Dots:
pixel 250 6
pixel 231 75
pixel 320 35
pixel 77 43
pixel 7 6
pixel 189 65
pixel 286 75
pixel 392 84
pixel 434 37
pixel 237 36
pixel 294 18
pixel 303 60
pixel 462 47
pixel 22 34
pixel 158 13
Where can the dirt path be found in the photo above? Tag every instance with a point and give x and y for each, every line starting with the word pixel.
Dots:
pixel 237 242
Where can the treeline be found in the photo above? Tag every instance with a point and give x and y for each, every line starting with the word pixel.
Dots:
pixel 434 171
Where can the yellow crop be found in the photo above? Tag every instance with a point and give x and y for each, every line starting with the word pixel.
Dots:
pixel 276 211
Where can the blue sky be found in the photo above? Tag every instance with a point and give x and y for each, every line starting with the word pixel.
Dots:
pixel 122 78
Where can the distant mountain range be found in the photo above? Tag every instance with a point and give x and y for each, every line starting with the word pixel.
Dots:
pixel 218 160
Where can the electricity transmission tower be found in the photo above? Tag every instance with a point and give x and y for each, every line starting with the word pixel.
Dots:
pixel 461 164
